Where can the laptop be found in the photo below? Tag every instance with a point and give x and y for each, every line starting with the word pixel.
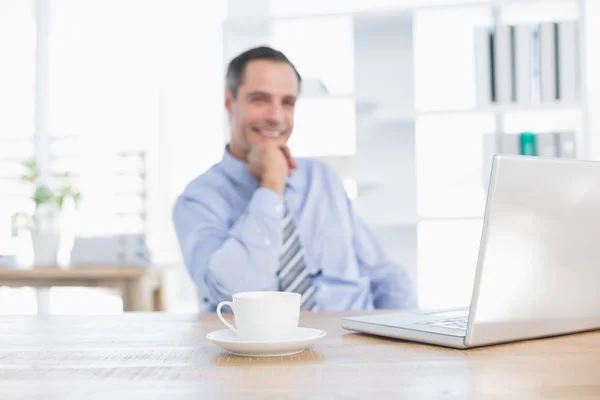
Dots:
pixel 538 266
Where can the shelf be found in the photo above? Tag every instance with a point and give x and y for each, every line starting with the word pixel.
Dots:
pixel 314 88
pixel 366 107
pixel 389 115
pixel 400 10
pixel 362 105
pixel 503 109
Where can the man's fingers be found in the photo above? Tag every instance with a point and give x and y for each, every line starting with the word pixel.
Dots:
pixel 288 155
pixel 291 160
pixel 286 151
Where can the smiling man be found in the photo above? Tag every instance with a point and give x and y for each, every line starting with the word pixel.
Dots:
pixel 263 220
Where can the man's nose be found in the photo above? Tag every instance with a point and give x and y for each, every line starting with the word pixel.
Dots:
pixel 275 114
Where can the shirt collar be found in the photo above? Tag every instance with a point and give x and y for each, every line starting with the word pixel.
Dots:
pixel 238 171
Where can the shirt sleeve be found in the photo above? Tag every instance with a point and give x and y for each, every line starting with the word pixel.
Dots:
pixel 391 286
pixel 224 259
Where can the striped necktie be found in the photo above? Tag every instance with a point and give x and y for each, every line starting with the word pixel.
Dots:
pixel 293 275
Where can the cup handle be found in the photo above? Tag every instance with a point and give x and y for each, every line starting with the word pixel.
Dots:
pixel 223 320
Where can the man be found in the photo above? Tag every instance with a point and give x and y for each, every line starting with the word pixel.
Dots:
pixel 263 220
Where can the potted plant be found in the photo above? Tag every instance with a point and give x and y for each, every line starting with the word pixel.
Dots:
pixel 48 200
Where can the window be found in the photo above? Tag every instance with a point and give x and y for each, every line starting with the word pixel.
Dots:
pixel 104 106
pixel 133 110
pixel 17 43
pixel 143 101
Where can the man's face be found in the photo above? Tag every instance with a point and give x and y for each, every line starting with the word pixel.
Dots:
pixel 264 107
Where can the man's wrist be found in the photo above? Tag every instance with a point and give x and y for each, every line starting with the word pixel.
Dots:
pixel 274 183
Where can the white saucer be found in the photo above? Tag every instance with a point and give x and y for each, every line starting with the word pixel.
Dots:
pixel 302 339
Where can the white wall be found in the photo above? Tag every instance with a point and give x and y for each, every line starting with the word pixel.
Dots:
pixel 591 19
pixel 385 141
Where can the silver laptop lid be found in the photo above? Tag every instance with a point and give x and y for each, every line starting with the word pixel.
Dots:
pixel 539 260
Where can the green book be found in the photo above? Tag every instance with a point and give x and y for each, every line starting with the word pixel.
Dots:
pixel 527 144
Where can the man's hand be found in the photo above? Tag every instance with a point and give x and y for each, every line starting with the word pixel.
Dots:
pixel 271 164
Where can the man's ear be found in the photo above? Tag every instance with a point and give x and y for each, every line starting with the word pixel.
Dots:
pixel 228 100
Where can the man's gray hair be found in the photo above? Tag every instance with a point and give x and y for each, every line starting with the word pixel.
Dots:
pixel 237 66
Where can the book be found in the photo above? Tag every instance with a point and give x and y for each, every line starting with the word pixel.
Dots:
pixel 545 144
pixel 527 144
pixel 568 61
pixel 536 84
pixel 503 65
pixel 565 144
pixel 484 82
pixel 510 144
pixel 522 64
pixel 548 62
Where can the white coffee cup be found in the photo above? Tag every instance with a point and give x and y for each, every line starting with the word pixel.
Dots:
pixel 263 316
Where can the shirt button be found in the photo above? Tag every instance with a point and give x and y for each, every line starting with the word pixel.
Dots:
pixel 278 207
pixel 267 241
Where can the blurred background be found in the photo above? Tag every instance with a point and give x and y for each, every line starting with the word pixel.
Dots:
pixel 109 108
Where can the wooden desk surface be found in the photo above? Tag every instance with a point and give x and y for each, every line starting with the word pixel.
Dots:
pixel 87 272
pixel 164 356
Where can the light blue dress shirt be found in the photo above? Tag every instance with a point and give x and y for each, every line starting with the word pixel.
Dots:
pixel 230 233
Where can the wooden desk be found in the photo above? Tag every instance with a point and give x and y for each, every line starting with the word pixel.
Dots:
pixel 164 356
pixel 142 288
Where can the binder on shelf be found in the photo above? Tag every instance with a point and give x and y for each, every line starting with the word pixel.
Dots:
pixel 501 143
pixel 484 81
pixel 536 84
pixel 527 64
pixel 503 64
pixel 510 144
pixel 548 61
pixel 565 144
pixel 568 61
pixel 546 145
pixel 527 143
pixel 522 63
pixel 543 144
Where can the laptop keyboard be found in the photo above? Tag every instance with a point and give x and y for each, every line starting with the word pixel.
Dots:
pixel 451 323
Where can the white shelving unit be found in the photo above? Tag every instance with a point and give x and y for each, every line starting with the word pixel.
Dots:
pixel 418 164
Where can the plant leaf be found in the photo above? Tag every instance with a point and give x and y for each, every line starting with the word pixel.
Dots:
pixel 32 172
pixel 77 199
pixel 43 195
